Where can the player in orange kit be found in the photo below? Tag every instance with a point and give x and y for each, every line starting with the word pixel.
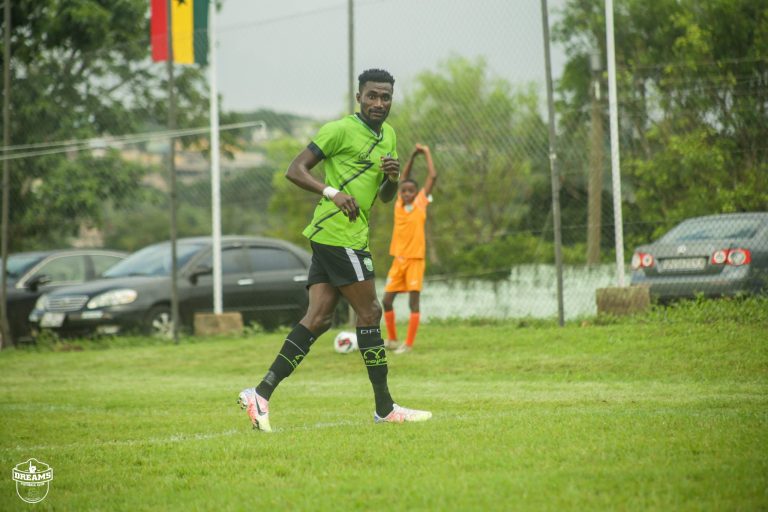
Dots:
pixel 408 247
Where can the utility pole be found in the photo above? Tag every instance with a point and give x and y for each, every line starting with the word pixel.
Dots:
pixel 5 328
pixel 351 54
pixel 595 186
pixel 553 167
pixel 351 93
pixel 613 115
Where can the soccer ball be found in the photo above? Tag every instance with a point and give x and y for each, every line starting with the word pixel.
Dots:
pixel 345 342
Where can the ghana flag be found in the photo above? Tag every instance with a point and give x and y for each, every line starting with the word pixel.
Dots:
pixel 189 30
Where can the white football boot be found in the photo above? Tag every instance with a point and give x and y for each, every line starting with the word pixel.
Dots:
pixel 257 408
pixel 402 415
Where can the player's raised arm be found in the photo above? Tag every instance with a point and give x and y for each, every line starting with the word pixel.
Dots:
pixel 431 173
pixel 409 164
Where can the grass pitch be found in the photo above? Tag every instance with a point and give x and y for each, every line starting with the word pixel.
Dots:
pixel 665 412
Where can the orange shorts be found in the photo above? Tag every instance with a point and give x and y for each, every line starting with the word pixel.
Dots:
pixel 405 275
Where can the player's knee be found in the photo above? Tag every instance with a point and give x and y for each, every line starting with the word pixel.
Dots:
pixel 317 323
pixel 371 315
pixel 323 325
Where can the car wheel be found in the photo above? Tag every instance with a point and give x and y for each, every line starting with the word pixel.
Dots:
pixel 159 322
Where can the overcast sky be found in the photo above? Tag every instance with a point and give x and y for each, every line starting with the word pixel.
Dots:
pixel 291 55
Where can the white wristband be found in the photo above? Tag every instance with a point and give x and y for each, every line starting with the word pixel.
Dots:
pixel 330 192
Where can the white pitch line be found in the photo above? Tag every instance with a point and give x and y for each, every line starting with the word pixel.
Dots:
pixel 176 438
pixel 181 438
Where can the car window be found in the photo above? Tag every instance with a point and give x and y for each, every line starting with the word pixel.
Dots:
pixel 270 258
pixel 102 262
pixel 63 269
pixel 233 261
pixel 713 229
pixel 154 260
pixel 20 263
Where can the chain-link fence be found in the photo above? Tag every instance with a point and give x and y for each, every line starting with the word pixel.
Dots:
pixel 490 228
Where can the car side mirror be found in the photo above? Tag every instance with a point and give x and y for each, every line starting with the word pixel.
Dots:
pixel 38 281
pixel 198 271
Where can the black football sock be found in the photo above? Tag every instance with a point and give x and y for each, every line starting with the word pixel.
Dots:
pixel 295 349
pixel 375 358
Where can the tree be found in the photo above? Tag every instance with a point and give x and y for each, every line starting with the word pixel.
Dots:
pixel 693 99
pixel 81 69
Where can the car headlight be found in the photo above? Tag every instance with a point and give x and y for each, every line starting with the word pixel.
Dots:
pixel 42 302
pixel 113 298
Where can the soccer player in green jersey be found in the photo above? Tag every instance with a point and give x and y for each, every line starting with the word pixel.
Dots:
pixel 360 154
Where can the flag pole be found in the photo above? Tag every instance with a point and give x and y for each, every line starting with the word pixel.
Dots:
pixel 215 163
pixel 172 176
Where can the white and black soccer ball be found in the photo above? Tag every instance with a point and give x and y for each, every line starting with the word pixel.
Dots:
pixel 345 342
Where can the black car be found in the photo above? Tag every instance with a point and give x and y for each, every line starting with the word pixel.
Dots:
pixel 262 278
pixel 30 274
pixel 715 255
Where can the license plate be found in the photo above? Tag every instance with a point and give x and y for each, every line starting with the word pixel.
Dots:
pixel 52 320
pixel 682 264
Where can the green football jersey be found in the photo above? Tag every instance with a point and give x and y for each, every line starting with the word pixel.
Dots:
pixel 353 153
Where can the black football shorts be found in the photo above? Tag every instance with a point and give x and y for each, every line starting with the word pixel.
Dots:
pixel 339 266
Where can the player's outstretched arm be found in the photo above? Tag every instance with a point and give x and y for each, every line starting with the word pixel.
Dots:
pixel 429 184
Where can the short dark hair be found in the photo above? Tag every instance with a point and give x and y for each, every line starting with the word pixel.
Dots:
pixel 374 75
pixel 411 180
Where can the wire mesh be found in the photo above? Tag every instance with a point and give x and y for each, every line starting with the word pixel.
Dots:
pixel 475 97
